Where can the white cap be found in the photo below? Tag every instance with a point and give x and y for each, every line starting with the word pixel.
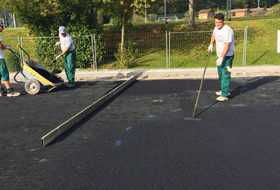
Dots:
pixel 2 23
pixel 62 29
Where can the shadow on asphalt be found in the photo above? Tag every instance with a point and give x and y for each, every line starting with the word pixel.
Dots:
pixel 212 105
pixel 72 129
pixel 249 85
pixel 252 84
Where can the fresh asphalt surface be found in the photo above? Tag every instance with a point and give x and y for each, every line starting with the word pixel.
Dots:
pixel 139 139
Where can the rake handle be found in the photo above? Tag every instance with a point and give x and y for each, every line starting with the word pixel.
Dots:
pixel 201 85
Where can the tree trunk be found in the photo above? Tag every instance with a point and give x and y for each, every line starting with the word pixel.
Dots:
pixel 191 14
pixel 122 40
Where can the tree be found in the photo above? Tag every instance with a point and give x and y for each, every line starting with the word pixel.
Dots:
pixel 121 11
pixel 276 8
pixel 239 4
pixel 191 12
pixel 43 17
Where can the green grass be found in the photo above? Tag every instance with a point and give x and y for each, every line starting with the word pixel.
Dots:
pixel 10 36
pixel 14 32
pixel 261 44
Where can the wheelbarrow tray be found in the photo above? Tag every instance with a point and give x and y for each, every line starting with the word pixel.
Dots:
pixel 33 70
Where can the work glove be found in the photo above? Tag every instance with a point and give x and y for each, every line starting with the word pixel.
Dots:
pixel 8 46
pixel 57 57
pixel 57 43
pixel 210 48
pixel 219 61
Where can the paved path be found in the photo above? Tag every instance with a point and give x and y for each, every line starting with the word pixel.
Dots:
pixel 139 139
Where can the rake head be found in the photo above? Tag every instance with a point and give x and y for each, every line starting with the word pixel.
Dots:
pixel 192 118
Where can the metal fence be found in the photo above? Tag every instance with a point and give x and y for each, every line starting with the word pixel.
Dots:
pixel 9 18
pixel 146 50
pixel 43 50
pixel 189 49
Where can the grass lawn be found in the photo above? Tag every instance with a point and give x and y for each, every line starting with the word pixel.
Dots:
pixel 261 44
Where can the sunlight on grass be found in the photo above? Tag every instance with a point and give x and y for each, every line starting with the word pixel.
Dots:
pixel 261 44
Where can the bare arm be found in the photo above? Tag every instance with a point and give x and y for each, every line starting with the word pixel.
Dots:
pixel 212 39
pixel 225 50
pixel 65 51
pixel 2 46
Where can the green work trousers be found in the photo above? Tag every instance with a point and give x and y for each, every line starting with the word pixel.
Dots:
pixel 4 73
pixel 224 71
pixel 70 66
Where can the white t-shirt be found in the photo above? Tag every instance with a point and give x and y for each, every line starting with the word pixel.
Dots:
pixel 222 36
pixel 1 50
pixel 66 42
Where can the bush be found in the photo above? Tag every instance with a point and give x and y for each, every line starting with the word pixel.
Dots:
pixel 13 62
pixel 127 58
pixel 152 17
pixel 276 8
pixel 187 15
pixel 47 52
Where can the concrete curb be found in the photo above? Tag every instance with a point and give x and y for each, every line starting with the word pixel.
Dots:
pixel 167 73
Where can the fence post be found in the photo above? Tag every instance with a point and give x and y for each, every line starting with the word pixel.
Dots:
pixel 169 51
pixel 19 50
pixel 95 60
pixel 93 66
pixel 245 45
pixel 166 49
pixel 21 44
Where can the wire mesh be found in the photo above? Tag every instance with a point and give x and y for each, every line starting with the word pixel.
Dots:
pixel 43 50
pixel 189 49
pixel 147 49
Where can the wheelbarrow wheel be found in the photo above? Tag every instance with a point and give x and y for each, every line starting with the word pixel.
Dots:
pixel 32 86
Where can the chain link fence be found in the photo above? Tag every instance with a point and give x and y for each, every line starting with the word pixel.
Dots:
pixel 146 49
pixel 43 50
pixel 141 51
pixel 189 49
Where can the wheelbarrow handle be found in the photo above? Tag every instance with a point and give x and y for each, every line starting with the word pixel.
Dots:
pixel 14 52
pixel 24 52
pixel 56 55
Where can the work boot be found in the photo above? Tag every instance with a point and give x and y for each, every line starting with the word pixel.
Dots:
pixel 12 93
pixel 222 99
pixel 2 91
pixel 219 93
pixel 70 85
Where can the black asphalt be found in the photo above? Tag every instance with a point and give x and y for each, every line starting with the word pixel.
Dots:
pixel 139 139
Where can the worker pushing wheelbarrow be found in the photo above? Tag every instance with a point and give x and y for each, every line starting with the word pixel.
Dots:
pixel 36 76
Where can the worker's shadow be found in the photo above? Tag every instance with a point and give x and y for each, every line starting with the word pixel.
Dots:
pixel 256 60
pixel 249 85
pixel 63 87
pixel 252 84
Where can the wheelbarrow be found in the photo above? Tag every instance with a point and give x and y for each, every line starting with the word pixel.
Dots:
pixel 36 76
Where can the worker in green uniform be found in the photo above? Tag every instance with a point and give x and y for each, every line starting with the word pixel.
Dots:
pixel 69 53
pixel 224 37
pixel 4 73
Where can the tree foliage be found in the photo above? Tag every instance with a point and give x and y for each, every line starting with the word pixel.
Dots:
pixel 43 17
pixel 276 8
pixel 235 4
pixel 239 4
pixel 122 12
